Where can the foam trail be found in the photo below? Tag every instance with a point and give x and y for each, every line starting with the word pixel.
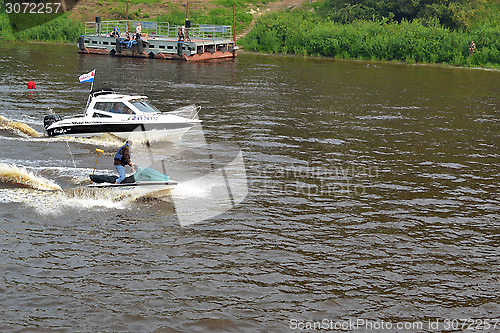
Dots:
pixel 212 194
pixel 55 203
pixel 82 198
pixel 17 127
pixel 20 177
pixel 106 139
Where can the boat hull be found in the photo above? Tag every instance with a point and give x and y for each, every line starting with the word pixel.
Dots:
pixel 156 132
pixel 163 185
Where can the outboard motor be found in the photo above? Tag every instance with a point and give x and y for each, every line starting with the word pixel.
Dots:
pixel 50 119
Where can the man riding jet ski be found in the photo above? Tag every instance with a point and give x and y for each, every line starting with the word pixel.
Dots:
pixel 143 176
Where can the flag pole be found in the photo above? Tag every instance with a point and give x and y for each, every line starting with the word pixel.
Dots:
pixel 92 84
pixel 90 92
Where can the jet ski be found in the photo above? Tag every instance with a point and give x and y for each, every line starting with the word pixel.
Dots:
pixel 143 177
pixel 125 116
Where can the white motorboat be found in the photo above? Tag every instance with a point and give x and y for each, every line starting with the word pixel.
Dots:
pixel 125 116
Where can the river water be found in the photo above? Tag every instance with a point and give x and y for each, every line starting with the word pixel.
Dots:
pixel 372 199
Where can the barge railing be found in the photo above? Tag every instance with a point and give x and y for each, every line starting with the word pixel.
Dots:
pixel 158 29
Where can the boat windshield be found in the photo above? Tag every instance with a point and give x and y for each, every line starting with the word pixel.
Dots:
pixel 144 106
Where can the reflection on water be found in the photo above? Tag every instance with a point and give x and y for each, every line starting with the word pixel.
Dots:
pixel 373 194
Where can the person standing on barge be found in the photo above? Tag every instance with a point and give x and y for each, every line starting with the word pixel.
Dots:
pixel 138 31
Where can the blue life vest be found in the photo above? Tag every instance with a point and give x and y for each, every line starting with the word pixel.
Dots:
pixel 119 153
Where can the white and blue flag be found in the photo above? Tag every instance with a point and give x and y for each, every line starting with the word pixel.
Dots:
pixel 89 77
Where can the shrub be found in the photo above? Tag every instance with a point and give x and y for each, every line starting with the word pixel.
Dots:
pixel 306 34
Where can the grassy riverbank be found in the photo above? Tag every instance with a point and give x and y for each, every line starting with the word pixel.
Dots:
pixel 305 33
pixel 61 29
pixel 373 30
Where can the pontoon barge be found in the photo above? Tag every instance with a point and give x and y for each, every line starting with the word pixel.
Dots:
pixel 159 40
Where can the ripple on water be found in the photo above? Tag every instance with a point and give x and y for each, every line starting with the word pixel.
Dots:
pixel 370 197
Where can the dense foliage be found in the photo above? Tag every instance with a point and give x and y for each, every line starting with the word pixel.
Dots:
pixel 456 14
pixel 59 29
pixel 310 33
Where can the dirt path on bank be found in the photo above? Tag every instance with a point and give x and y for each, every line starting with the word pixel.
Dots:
pixel 269 8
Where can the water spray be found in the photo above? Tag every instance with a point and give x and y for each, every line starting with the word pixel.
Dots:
pixel 71 153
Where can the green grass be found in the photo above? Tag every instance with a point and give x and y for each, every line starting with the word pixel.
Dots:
pixel 60 29
pixel 305 33
pixel 219 16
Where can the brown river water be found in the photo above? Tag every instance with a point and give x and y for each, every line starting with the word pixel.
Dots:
pixel 370 201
